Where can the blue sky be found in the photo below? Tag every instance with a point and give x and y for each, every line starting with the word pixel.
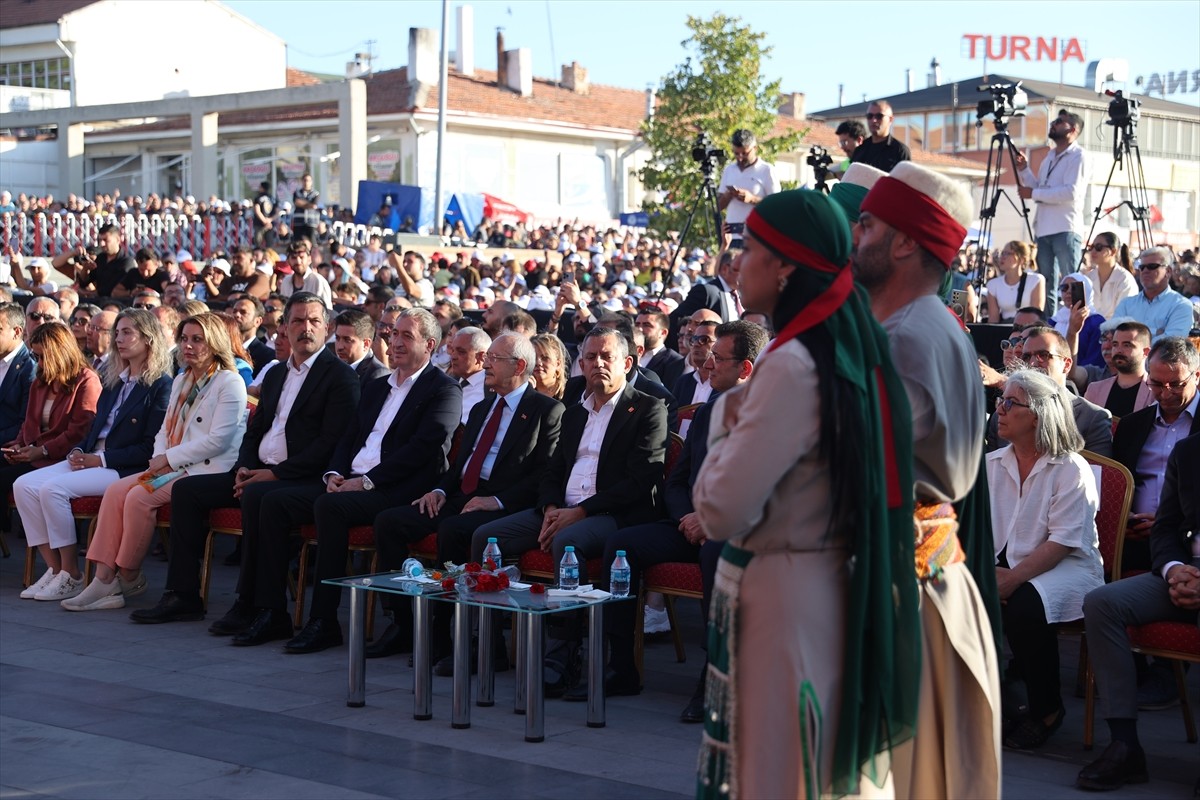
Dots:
pixel 816 46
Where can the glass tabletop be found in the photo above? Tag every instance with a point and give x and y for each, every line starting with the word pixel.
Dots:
pixel 515 599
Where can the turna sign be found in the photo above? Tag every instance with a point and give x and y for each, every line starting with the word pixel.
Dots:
pixel 1022 48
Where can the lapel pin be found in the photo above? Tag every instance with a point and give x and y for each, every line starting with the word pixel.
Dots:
pixel 630 409
pixel 524 417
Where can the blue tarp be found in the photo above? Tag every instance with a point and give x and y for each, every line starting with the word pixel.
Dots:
pixel 407 201
pixel 465 206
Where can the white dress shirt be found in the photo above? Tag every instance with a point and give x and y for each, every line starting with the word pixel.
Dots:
pixel 371 452
pixel 6 362
pixel 649 355
pixel 472 393
pixel 701 395
pixel 272 449
pixel 582 483
pixel 1058 191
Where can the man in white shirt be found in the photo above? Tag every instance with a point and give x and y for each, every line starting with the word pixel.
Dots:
pixel 306 403
pixel 297 274
pixel 1058 190
pixel 393 451
pixel 744 184
pixel 467 349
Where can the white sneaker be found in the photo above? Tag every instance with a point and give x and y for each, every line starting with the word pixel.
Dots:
pixel 61 587
pixel 30 591
pixel 98 596
pixel 656 620
pixel 135 587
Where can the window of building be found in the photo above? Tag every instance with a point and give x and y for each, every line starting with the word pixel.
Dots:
pixel 46 73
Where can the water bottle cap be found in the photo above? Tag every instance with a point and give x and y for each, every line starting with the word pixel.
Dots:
pixel 569 549
pixel 491 540
pixel 621 553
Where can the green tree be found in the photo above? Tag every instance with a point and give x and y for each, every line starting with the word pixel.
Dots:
pixel 718 89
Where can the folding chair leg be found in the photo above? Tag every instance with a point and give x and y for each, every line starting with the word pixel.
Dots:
pixel 206 566
pixel 30 565
pixel 298 616
pixel 1189 722
pixel 1089 707
pixel 4 546
pixel 680 653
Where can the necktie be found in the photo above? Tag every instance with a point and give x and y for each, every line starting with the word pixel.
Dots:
pixel 464 383
pixel 470 479
pixel 737 302
pixel 97 362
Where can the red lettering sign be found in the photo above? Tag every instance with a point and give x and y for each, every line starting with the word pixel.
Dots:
pixel 1022 48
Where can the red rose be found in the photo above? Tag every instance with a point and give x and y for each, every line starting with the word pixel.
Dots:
pixel 537 588
pixel 474 567
pixel 490 565
pixel 502 580
pixel 488 583
pixel 448 584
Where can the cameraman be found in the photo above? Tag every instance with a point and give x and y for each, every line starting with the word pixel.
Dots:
pixel 96 275
pixel 1058 190
pixel 744 184
pixel 851 134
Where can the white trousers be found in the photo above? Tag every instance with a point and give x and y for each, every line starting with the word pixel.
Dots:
pixel 44 498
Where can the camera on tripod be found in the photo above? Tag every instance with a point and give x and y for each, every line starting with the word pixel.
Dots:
pixel 1123 111
pixel 818 157
pixel 708 157
pixel 1008 100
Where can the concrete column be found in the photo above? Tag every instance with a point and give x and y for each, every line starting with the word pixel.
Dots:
pixel 204 156
pixel 352 140
pixel 70 159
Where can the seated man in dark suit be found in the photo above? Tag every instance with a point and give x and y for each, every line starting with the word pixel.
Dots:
pixel 658 358
pixel 641 379
pixel 303 410
pixel 693 386
pixel 678 537
pixel 393 451
pixel 504 450
pixel 17 369
pixel 1170 592
pixel 354 332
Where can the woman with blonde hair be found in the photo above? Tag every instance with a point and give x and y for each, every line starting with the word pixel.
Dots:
pixel 137 380
pixel 1015 287
pixel 550 371
pixel 205 420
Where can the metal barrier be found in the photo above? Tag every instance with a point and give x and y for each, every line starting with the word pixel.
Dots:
pixel 50 234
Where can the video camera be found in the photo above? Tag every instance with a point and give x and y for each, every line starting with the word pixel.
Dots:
pixel 1008 100
pixel 818 157
pixel 708 157
pixel 1122 111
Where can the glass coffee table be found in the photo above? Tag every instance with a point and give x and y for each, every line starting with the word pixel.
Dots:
pixel 529 608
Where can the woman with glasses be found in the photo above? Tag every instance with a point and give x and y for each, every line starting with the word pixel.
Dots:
pixel 200 435
pixel 61 407
pixel 137 380
pixel 1015 287
pixel 1044 500
pixel 1110 271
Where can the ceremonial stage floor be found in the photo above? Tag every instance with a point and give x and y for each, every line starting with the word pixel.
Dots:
pixel 93 706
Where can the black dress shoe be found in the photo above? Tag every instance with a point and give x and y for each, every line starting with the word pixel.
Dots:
pixel 171 608
pixel 616 684
pixel 694 711
pixel 393 641
pixel 1118 765
pixel 270 625
pixel 235 621
pixel 1033 731
pixel 317 635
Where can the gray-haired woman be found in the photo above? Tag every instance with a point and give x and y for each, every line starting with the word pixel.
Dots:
pixel 1044 500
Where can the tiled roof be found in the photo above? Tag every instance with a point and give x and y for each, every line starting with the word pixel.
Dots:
pixel 22 13
pixel 610 107
pixel 298 77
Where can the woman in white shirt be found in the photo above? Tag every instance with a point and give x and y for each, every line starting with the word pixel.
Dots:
pixel 1044 502
pixel 1110 271
pixel 1015 287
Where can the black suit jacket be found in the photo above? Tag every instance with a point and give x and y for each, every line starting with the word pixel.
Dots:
pixel 261 354
pixel 319 415
pixel 1179 511
pixel 369 369
pixel 14 393
pixel 703 295
pixel 678 491
pixel 685 389
pixel 130 441
pixel 525 452
pixel 646 384
pixel 629 476
pixel 1132 433
pixel 668 365
pixel 413 453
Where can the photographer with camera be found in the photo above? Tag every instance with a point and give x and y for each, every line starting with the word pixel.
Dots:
pixel 1058 190
pixel 744 184
pixel 97 273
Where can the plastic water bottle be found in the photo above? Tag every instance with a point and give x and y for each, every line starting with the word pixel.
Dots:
pixel 412 568
pixel 492 551
pixel 618 580
pixel 568 570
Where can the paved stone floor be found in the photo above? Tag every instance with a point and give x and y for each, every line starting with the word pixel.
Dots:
pixel 93 706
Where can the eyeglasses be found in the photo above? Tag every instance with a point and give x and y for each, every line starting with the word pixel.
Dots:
pixel 876 116
pixel 1099 248
pixel 488 358
pixel 1040 355
pixel 1008 344
pixel 723 359
pixel 144 305
pixel 38 316
pixel 1149 267
pixel 393 308
pixel 1174 387
pixel 1005 404
pixel 703 340
pixel 98 330
pixel 271 309
pixel 387 330
pixel 75 323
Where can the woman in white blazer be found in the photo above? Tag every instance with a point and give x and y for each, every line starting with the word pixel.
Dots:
pixel 206 417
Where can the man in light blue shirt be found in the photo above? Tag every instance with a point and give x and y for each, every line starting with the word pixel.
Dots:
pixel 1159 307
